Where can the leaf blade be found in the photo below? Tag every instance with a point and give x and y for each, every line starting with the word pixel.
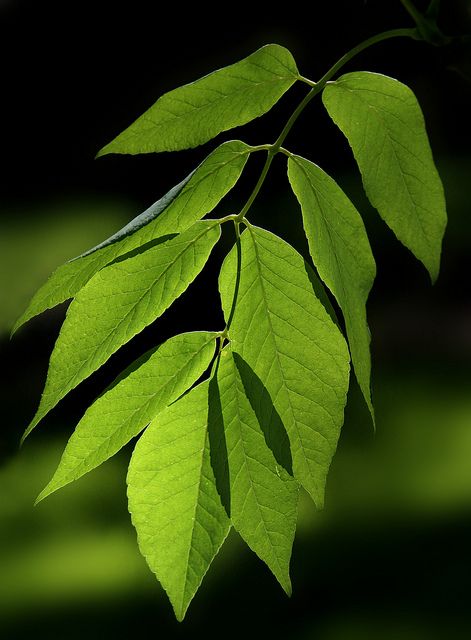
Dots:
pixel 117 303
pixel 130 404
pixel 263 497
pixel 173 501
pixel 340 249
pixel 193 114
pixel 272 326
pixel 190 200
pixel 384 125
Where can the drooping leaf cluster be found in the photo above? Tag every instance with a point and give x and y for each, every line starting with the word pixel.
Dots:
pixel 237 418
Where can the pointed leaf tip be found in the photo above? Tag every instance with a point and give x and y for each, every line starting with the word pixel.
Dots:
pixel 173 500
pixel 263 496
pixel 384 125
pixel 189 201
pixel 148 386
pixel 341 252
pixel 119 302
pixel 285 335
pixel 195 113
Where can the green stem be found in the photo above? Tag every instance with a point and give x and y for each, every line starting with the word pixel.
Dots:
pixel 258 186
pixel 380 37
pixel 317 88
pixel 237 282
pixel 295 115
pixel 231 216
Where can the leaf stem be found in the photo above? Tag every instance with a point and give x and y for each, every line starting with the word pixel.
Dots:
pixel 228 218
pixel 316 87
pixel 272 150
pixel 237 282
pixel 380 37
pixel 258 186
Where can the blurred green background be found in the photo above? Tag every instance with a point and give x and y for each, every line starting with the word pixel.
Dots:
pixel 389 557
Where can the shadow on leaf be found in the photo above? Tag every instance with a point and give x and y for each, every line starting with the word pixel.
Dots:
pixel 270 422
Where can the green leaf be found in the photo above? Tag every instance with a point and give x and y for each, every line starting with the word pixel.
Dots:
pixel 183 205
pixel 117 303
pixel 175 507
pixel 263 497
pixel 341 252
pixel 286 336
pixel 155 381
pixel 193 114
pixel 321 293
pixel 385 128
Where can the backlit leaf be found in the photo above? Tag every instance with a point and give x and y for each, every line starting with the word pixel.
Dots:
pixel 263 496
pixel 117 303
pixel 174 504
pixel 118 415
pixel 341 252
pixel 187 202
pixel 193 114
pixel 384 125
pixel 285 335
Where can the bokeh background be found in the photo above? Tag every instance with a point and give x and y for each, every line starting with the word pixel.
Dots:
pixel 390 556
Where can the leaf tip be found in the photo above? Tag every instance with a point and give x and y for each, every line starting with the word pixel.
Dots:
pixel 370 407
pixel 287 586
pixel 432 265
pixel 25 435
pixel 30 427
pixel 18 324
pixel 44 493
pixel 433 273
pixel 180 611
pixel 319 500
pixel 110 147
pixel 102 152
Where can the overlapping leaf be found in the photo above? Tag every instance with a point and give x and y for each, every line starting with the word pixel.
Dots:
pixel 273 406
pixel 193 114
pixel 263 497
pixel 341 252
pixel 383 123
pixel 173 499
pixel 117 303
pixel 285 335
pixel 183 205
pixel 155 381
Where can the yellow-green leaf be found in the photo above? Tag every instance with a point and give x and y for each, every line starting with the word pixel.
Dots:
pixel 341 252
pixel 285 335
pixel 173 500
pixel 155 381
pixel 184 204
pixel 193 114
pixel 384 125
pixel 117 303
pixel 263 496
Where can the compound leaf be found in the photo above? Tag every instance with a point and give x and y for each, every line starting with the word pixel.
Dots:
pixel 263 496
pixel 193 114
pixel 184 204
pixel 384 125
pixel 117 303
pixel 286 336
pixel 341 252
pixel 174 504
pixel 156 380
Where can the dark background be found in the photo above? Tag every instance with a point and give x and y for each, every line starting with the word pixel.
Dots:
pixel 388 558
